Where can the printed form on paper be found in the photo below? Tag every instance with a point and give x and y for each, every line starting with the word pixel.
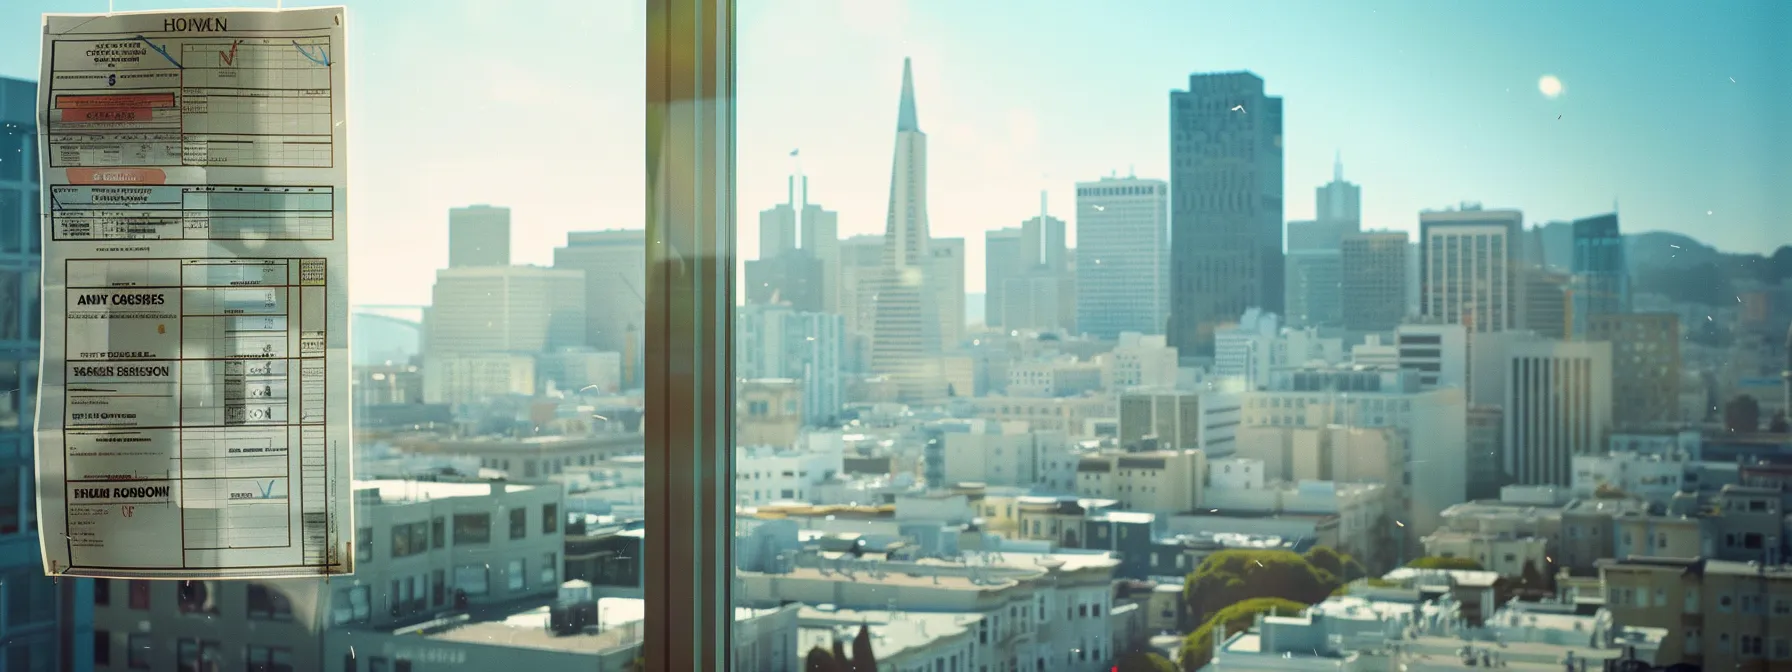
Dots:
pixel 193 411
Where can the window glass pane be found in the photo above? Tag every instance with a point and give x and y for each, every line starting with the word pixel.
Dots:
pixel 1119 293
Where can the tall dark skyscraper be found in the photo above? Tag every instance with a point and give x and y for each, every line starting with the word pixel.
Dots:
pixel 1226 205
pixel 1601 276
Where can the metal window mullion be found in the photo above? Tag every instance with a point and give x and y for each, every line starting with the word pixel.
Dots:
pixel 689 396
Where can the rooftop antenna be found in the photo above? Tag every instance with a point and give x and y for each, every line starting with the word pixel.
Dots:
pixel 1337 165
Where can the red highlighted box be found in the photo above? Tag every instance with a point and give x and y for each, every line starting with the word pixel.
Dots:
pixel 108 114
pixel 115 101
pixel 116 176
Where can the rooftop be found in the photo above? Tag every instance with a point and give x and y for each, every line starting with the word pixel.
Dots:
pixel 619 620
pixel 393 491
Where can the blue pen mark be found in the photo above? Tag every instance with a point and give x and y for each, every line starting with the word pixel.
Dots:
pixel 325 55
pixel 267 491
pixel 161 50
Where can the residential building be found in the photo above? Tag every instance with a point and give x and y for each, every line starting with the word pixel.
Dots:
pixel 1601 274
pixel 1164 482
pixel 1180 420
pixel 768 412
pixel 906 325
pixel 1010 455
pixel 1654 478
pixel 1123 256
pixel 1645 366
pixel 765 473
pixel 478 235
pixel 778 342
pixel 1542 433
pixel 1468 267
pixel 1226 182
pixel 1062 376
pixel 615 268
pixel 1721 615
pixel 1072 415
pixel 422 550
pixel 1065 601
pixel 1373 280
pixel 1510 556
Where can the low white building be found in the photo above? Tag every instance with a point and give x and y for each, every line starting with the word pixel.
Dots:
pixel 765 474
pixel 1653 477
pixel 1062 376
pixel 1008 454
pixel 1139 361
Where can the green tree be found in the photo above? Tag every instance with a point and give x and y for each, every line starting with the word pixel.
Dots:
pixel 1340 565
pixel 819 660
pixel 1233 576
pixel 1145 661
pixel 863 658
pixel 1197 648
pixel 1439 562
pixel 1742 415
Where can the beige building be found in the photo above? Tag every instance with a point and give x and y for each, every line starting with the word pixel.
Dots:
pixel 534 458
pixel 768 412
pixel 1331 453
pixel 1070 415
pixel 1506 554
pixel 474 377
pixel 1719 615
pixel 1589 532
pixel 1163 482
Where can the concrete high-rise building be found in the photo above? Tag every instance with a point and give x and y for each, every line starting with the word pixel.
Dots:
pixel 1314 288
pixel 1486 443
pixel 1306 235
pixel 1246 351
pixel 1601 276
pixel 801 271
pixel 1469 267
pixel 1339 203
pixel 1373 285
pixel 1558 404
pixel 861 269
pixel 947 276
pixel 509 309
pixel 1226 184
pixel 1545 302
pixel 615 268
pixel 905 336
pixel 1645 367
pixel 478 235
pixel 808 347
pixel 1123 256
pixel 1002 260
pixel 30 629
pixel 1040 294
pixel 1438 352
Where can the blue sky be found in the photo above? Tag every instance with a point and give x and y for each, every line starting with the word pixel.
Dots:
pixel 1675 110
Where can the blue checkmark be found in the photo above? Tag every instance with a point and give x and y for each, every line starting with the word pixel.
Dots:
pixel 267 491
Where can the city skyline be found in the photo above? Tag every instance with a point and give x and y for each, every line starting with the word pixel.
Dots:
pixel 1002 131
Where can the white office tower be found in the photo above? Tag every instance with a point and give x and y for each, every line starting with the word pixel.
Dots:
pixel 515 309
pixel 1468 267
pixel 1123 256
pixel 947 275
pixel 478 236
pixel 774 341
pixel 1437 352
pixel 905 336
pixel 615 268
pixel 861 269
pixel 1558 404
pixel 1244 352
